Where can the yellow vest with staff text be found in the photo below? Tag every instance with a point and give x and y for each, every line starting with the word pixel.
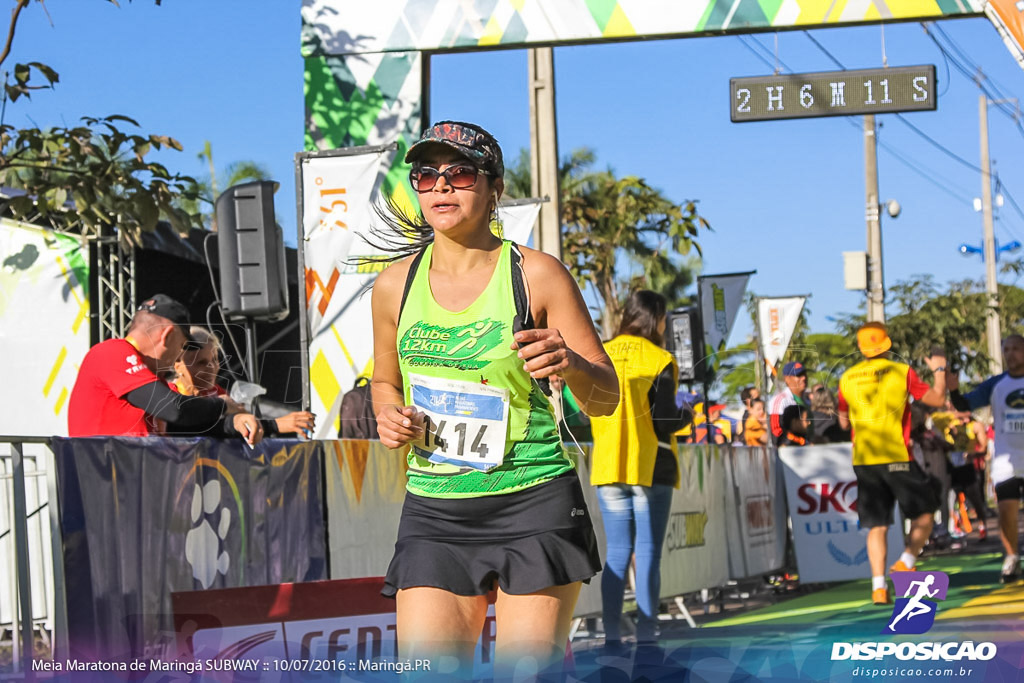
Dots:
pixel 875 391
pixel 625 445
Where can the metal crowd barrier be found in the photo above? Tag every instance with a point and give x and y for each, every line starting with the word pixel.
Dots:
pixel 363 490
pixel 32 576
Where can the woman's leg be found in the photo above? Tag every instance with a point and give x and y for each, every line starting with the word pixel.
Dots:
pixel 433 623
pixel 616 503
pixel 651 507
pixel 531 630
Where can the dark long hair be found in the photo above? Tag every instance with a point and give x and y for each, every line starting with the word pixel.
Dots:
pixel 644 309
pixel 402 234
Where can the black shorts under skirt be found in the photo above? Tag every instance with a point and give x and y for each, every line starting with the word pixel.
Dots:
pixel 879 486
pixel 525 541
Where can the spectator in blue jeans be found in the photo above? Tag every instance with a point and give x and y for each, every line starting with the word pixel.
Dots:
pixel 634 463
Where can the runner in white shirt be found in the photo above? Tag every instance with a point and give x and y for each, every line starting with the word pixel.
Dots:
pixel 1005 394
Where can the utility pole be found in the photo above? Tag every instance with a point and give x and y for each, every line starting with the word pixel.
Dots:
pixel 544 150
pixel 992 332
pixel 876 286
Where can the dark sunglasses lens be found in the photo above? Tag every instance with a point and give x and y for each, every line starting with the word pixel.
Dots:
pixel 423 179
pixel 460 177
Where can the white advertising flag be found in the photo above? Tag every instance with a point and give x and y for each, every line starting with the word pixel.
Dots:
pixel 518 219
pixel 721 297
pixel 776 320
pixel 337 211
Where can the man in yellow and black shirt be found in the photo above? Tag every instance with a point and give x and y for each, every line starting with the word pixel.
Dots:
pixel 874 397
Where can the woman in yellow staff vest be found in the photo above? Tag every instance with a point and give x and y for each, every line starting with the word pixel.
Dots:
pixel 634 462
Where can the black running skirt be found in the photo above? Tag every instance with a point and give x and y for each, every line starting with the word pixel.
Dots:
pixel 525 541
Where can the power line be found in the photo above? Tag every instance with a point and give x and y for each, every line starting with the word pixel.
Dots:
pixel 756 53
pixel 963 54
pixel 972 72
pixel 947 186
pixel 822 48
pixel 1006 193
pixel 938 145
pixel 945 150
pixel 924 174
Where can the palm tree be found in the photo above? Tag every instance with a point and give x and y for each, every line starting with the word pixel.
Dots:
pixel 618 234
pixel 204 192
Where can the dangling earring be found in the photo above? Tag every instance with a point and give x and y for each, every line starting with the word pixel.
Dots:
pixel 495 223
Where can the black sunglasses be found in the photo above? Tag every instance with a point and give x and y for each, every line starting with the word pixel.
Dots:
pixel 461 177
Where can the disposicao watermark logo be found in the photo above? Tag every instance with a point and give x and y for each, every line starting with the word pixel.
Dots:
pixel 914 614
pixel 915 611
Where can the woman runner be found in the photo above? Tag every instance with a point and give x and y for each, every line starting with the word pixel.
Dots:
pixel 493 500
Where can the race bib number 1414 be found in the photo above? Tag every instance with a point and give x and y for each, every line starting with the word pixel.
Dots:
pixel 465 423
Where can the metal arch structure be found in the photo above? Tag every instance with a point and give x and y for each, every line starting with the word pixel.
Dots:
pixel 114 285
pixel 366 71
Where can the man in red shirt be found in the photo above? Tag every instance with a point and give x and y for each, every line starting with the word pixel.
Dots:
pixel 795 376
pixel 120 390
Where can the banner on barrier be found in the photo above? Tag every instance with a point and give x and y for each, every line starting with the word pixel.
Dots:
pixel 44 326
pixel 695 554
pixel 757 516
pixel 142 517
pixel 339 630
pixel 821 489
pixel 366 489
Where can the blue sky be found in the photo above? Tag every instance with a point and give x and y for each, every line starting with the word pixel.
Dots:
pixel 785 198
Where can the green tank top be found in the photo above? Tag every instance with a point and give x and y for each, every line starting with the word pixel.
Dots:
pixel 473 346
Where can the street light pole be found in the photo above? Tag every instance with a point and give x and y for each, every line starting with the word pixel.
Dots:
pixel 876 286
pixel 992 331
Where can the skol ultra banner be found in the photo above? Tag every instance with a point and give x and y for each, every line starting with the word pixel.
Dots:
pixel 776 320
pixel 44 326
pixel 721 297
pixel 821 489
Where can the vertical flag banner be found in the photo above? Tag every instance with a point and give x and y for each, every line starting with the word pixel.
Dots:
pixel 337 213
pixel 721 297
pixel 44 278
pixel 518 219
pixel 776 321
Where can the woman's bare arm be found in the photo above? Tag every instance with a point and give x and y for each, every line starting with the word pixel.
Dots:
pixel 564 341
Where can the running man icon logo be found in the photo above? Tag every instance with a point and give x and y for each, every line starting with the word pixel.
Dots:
pixel 914 612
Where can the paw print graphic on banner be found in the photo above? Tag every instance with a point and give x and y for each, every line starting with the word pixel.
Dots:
pixel 203 543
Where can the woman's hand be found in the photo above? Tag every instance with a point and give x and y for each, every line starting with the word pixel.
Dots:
pixel 543 351
pixel 300 422
pixel 397 426
pixel 249 427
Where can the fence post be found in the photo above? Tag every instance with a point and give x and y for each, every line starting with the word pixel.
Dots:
pixel 20 528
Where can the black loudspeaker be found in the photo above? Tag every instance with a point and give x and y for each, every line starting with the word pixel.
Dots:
pixel 684 338
pixel 253 279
